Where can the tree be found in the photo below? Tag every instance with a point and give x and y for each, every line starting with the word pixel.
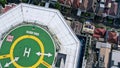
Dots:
pixel 3 2
pixel 57 6
pixel 24 1
pixel 36 2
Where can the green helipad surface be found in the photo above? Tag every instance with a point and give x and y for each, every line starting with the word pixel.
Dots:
pixel 27 46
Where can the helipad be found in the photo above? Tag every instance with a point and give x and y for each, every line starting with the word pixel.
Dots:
pixel 27 46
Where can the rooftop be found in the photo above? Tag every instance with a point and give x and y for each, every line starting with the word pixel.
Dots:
pixel 99 33
pixel 104 57
pixel 47 17
pixel 103 45
pixel 113 9
pixel 8 7
pixel 112 37
pixel 88 27
pixel 115 59
pixel 76 26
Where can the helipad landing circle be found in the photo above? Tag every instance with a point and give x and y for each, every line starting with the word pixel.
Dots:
pixel 27 46
pixel 22 39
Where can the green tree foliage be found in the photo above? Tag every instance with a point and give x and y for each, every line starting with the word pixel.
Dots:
pixel 3 2
pixel 57 6
pixel 35 2
pixel 24 1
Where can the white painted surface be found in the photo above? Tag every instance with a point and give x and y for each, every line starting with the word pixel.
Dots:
pixel 115 58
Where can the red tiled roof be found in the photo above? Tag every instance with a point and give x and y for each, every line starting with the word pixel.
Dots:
pixel 69 2
pixel 76 3
pixel 8 7
pixel 84 5
pixel 112 37
pixel 113 9
pixel 61 1
pixel 107 2
pixel 96 36
pixel 106 5
pixel 99 33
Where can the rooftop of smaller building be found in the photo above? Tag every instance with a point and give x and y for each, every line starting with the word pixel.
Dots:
pixel 103 45
pixel 115 60
pixel 99 33
pixel 104 57
pixel 88 27
pixel 112 37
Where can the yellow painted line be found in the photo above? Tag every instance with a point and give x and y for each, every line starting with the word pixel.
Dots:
pixel 5 56
pixel 20 39
pixel 46 64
